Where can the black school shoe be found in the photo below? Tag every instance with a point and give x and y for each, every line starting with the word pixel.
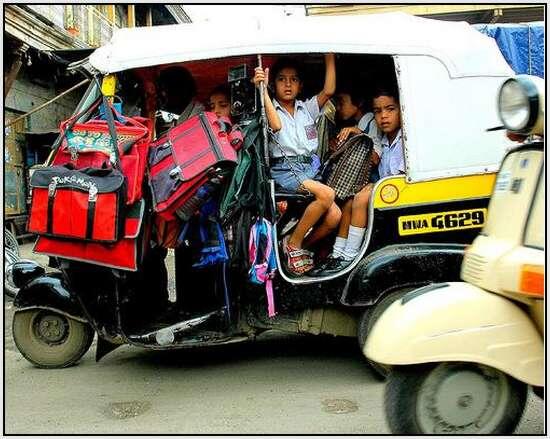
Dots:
pixel 329 266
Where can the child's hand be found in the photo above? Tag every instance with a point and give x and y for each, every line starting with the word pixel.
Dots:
pixel 345 133
pixel 260 75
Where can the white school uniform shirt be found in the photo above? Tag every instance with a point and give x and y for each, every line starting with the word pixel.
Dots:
pixel 298 134
pixel 392 160
pixel 367 124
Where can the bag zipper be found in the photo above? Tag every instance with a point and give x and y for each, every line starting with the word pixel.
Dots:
pixel 183 134
pixel 210 135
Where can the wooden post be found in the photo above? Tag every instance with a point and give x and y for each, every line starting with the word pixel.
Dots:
pixel 111 14
pixel 149 16
pixel 11 74
pixel 131 15
pixel 91 39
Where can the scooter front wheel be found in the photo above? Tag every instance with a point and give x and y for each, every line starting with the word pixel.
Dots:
pixel 453 398
pixel 50 340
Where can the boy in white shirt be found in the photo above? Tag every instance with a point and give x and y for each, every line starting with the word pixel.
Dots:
pixel 348 242
pixel 294 165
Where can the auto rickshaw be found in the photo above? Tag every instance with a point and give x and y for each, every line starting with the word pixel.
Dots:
pixel 462 354
pixel 418 224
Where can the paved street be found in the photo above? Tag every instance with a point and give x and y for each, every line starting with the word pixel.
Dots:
pixel 278 385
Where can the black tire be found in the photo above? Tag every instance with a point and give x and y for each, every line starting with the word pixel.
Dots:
pixel 367 321
pixel 453 398
pixel 50 340
pixel 10 242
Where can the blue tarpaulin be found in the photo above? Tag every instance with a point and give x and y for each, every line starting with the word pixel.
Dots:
pixel 522 45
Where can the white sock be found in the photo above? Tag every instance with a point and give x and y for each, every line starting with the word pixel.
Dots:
pixel 339 246
pixel 353 244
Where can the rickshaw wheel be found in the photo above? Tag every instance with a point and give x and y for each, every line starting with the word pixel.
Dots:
pixel 451 398
pixel 367 321
pixel 10 242
pixel 50 340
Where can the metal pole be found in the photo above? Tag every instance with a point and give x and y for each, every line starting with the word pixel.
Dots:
pixel 264 117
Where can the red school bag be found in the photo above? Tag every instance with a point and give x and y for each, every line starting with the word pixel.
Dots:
pixel 78 204
pixel 125 254
pixel 187 157
pixel 89 145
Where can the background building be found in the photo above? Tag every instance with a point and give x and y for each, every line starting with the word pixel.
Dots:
pixel 473 13
pixel 39 41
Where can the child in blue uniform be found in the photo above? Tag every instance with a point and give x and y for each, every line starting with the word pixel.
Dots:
pixel 294 165
pixel 387 115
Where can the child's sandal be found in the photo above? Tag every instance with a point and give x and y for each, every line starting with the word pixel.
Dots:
pixel 298 261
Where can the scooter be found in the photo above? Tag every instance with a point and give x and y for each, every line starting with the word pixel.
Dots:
pixel 462 354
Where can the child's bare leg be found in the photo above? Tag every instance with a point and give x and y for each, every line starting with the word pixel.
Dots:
pixel 324 198
pixel 346 219
pixel 329 223
pixel 359 207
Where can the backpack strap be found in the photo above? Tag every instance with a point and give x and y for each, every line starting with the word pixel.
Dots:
pixel 367 128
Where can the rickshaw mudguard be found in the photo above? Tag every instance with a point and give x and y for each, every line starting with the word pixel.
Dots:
pixel 458 322
pixel 49 292
pixel 402 266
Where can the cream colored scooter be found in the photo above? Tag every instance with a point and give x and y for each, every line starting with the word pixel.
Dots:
pixel 462 354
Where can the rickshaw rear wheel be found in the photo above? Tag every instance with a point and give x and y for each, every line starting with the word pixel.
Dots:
pixel 10 242
pixel 367 321
pixel 50 340
pixel 453 398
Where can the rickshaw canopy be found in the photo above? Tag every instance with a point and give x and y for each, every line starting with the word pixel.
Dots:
pixel 448 73
pixel 462 49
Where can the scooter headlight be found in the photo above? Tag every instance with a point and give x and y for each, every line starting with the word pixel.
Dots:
pixel 521 104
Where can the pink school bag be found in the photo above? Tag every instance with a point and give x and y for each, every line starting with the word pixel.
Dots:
pixel 263 263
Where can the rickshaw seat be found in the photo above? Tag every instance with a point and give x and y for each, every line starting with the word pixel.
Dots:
pixel 281 195
pixel 289 214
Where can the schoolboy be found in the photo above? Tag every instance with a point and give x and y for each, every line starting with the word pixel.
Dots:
pixel 351 107
pixel 387 115
pixel 219 101
pixel 294 166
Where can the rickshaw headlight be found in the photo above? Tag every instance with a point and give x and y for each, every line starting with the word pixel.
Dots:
pixel 520 104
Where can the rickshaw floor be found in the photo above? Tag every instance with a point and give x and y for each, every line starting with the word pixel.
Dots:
pixel 172 315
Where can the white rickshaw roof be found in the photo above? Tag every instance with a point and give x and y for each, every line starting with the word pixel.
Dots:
pixel 462 49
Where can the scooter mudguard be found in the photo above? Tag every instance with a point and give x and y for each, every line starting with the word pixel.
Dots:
pixel 458 322
pixel 49 292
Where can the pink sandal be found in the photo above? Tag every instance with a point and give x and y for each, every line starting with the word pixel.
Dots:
pixel 299 261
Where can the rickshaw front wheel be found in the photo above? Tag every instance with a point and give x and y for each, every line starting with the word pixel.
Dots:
pixel 453 398
pixel 50 340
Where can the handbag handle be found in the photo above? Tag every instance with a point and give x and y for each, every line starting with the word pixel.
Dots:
pixel 102 100
pixel 108 110
pixel 128 120
pixel 347 144
pixel 69 123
